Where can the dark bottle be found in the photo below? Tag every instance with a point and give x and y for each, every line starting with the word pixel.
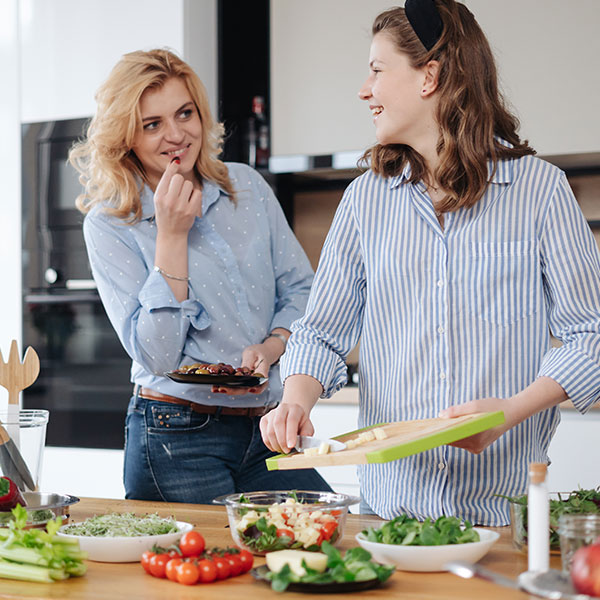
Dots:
pixel 258 135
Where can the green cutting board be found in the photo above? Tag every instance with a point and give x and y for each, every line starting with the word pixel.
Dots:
pixel 404 438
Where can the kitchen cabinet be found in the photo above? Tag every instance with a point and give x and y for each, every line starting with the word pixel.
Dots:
pixel 69 47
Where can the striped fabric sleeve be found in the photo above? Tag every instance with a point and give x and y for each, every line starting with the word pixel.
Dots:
pixel 571 265
pixel 322 339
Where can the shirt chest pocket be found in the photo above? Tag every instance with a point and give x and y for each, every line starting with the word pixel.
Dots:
pixel 503 281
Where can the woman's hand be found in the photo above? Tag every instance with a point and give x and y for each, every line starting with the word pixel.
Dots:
pixel 281 427
pixel 258 358
pixel 176 202
pixel 540 395
pixel 479 442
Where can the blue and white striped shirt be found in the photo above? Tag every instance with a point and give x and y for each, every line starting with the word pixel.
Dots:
pixel 448 315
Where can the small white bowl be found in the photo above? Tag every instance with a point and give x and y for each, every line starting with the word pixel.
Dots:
pixel 429 558
pixel 125 549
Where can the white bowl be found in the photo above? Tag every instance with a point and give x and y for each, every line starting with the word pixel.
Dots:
pixel 125 549
pixel 429 558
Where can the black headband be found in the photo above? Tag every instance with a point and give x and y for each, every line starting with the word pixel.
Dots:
pixel 425 20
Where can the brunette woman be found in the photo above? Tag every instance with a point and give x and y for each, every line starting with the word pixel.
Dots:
pixel 194 262
pixel 453 258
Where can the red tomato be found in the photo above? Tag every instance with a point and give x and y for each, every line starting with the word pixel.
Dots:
pixel 335 513
pixel 235 564
pixel 171 568
pixel 222 566
pixel 207 571
pixel 246 559
pixel 285 533
pixel 174 553
pixel 328 528
pixel 192 544
pixel 188 573
pixel 158 564
pixel 146 560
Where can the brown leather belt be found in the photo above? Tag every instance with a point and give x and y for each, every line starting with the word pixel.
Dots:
pixel 250 411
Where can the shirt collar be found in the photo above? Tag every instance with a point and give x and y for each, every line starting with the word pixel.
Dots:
pixel 211 192
pixel 503 174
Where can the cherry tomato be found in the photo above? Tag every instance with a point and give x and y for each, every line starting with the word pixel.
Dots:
pixel 207 571
pixel 171 568
pixel 174 553
pixel 222 566
pixel 235 564
pixel 285 533
pixel 192 544
pixel 335 513
pixel 328 528
pixel 188 573
pixel 246 559
pixel 158 564
pixel 146 560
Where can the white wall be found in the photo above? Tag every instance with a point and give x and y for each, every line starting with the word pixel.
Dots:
pixel 10 176
pixel 546 51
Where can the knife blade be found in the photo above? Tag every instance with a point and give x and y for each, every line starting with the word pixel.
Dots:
pixel 12 463
pixel 306 441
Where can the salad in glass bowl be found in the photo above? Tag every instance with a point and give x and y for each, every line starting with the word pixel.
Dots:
pixel 263 522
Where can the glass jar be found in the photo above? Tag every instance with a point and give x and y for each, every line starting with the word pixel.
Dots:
pixel 576 531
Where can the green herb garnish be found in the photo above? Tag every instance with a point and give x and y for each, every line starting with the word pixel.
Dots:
pixel 122 525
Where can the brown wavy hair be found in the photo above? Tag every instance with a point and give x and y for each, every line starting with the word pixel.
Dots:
pixel 471 114
pixel 110 170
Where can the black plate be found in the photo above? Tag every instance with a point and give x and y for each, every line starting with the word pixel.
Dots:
pixel 229 380
pixel 260 573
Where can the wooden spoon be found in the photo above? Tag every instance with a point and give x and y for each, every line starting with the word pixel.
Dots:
pixel 15 376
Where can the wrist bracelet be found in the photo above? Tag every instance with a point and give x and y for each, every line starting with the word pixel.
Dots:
pixel 280 336
pixel 159 270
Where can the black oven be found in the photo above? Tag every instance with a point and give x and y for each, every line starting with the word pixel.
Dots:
pixel 84 374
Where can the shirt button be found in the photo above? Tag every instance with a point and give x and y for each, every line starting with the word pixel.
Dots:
pixel 441 466
pixel 442 375
pixel 440 283
pixel 440 330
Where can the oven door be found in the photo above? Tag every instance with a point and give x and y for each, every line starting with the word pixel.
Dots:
pixel 84 377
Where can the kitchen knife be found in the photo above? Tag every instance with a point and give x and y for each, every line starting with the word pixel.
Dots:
pixel 306 441
pixel 12 463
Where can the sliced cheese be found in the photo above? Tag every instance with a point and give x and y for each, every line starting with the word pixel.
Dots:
pixel 323 448
pixel 277 560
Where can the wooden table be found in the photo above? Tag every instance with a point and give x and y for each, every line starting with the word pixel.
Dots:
pixel 113 581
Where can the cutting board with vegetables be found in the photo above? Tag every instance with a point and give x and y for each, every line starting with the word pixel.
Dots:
pixel 403 438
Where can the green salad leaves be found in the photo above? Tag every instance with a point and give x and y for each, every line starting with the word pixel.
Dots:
pixel 354 565
pixel 406 531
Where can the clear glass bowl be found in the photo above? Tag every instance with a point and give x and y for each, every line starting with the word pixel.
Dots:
pixel 263 522
pixel 576 531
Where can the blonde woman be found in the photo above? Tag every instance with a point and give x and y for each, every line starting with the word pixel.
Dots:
pixel 453 257
pixel 194 262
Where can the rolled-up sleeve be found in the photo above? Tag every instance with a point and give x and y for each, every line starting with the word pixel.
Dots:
pixel 571 268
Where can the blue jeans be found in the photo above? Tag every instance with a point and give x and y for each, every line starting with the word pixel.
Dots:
pixel 173 454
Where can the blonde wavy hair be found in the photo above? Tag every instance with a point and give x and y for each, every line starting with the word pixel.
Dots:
pixel 471 113
pixel 111 173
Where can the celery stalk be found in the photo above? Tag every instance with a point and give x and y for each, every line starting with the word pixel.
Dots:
pixel 10 570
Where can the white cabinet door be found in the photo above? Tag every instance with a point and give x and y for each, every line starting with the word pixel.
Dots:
pixel 68 48
pixel 574 452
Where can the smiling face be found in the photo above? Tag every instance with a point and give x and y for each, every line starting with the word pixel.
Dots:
pixel 397 94
pixel 171 127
